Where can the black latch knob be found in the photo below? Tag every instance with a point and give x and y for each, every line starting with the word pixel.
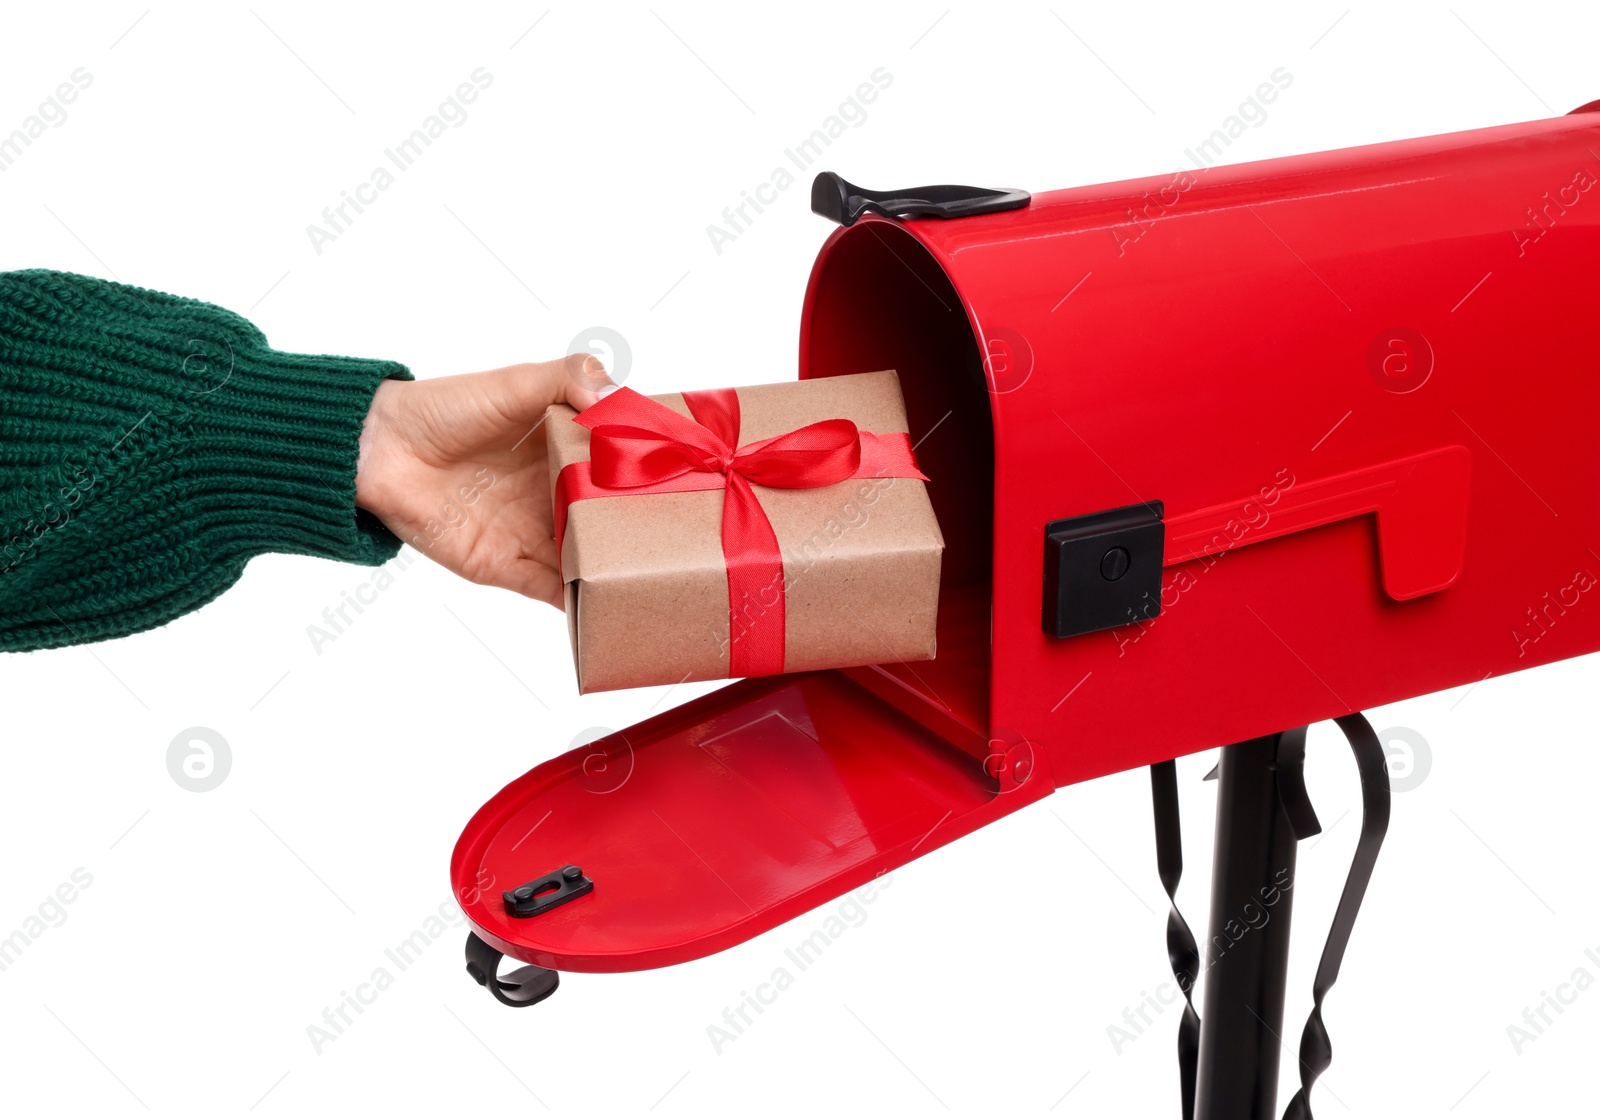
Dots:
pixel 1114 564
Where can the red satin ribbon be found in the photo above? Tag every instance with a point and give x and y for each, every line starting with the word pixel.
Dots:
pixel 639 446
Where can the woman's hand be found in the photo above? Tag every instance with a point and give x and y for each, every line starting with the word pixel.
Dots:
pixel 456 467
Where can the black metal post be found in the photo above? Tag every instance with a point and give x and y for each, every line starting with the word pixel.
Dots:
pixel 1246 956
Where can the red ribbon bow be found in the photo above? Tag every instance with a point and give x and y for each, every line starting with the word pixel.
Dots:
pixel 639 446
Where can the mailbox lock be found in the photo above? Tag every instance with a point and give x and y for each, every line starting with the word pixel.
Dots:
pixel 1103 569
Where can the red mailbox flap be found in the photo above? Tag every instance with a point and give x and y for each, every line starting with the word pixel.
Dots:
pixel 716 821
pixel 1421 503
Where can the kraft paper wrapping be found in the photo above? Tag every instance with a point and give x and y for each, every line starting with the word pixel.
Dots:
pixel 647 587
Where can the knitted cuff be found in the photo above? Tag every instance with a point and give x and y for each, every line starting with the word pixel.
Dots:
pixel 275 445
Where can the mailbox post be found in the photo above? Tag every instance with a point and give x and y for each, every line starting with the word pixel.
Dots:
pixel 1247 944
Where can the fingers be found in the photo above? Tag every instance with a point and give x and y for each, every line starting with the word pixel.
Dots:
pixel 532 579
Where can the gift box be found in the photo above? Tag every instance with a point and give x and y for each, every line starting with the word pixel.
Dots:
pixel 736 533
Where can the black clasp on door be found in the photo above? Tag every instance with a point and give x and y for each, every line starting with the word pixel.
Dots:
pixel 843 202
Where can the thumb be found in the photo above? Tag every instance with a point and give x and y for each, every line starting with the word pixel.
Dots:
pixel 523 392
pixel 585 381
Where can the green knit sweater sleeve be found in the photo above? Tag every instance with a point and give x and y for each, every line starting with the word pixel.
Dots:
pixel 150 445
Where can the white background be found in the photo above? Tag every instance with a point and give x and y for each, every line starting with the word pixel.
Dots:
pixel 577 193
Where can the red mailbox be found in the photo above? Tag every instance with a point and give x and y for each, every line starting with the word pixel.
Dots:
pixel 1215 454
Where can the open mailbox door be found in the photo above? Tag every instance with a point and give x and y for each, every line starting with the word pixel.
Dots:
pixel 716 821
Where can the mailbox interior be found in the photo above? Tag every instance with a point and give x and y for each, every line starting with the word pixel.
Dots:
pixel 879 300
